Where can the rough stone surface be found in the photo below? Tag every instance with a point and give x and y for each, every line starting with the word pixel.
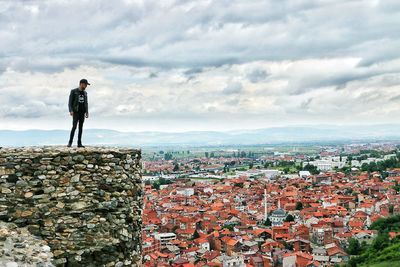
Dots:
pixel 18 247
pixel 85 204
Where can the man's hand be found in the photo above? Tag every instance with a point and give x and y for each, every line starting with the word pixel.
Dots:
pixel 87 115
pixel 71 113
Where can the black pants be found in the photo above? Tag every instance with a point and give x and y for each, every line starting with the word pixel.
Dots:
pixel 77 117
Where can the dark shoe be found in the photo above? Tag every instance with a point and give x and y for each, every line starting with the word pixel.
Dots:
pixel 80 145
pixel 69 145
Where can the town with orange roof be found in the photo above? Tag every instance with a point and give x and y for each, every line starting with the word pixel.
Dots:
pixel 230 207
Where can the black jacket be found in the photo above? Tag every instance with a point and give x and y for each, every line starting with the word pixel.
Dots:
pixel 73 103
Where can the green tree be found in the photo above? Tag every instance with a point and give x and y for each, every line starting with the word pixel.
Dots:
pixel 163 181
pixel 381 241
pixel 196 235
pixel 156 185
pixel 289 218
pixel 176 167
pixel 299 206
pixel 168 156
pixel 286 170
pixel 397 187
pixel 391 209
pixel 311 168
pixel 288 246
pixel 228 226
pixel 391 223
pixel 267 165
pixel 268 222
pixel 354 247
pixel 385 256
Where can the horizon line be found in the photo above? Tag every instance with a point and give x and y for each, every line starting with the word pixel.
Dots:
pixel 219 131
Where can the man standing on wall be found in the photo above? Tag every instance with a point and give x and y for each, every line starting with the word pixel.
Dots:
pixel 78 109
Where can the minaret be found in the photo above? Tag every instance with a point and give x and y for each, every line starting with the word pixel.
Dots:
pixel 265 206
pixel 368 221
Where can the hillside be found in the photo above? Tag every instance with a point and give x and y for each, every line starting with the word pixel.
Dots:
pixel 383 251
pixel 273 135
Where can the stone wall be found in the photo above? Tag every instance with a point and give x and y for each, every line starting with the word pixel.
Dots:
pixel 85 203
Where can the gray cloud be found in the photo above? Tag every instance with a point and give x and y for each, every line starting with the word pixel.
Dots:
pixel 172 59
pixel 153 75
pixel 193 71
pixel 257 75
pixel 395 98
pixel 305 104
pixel 192 34
pixel 232 88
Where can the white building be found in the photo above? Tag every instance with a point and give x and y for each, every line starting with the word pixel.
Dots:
pixel 327 203
pixel 368 237
pixel 304 174
pixel 185 191
pixel 205 245
pixel 168 176
pixel 270 174
pixel 208 190
pixel 233 261
pixel 277 217
pixel 163 186
pixel 150 178
pixel 289 261
pixel 165 238
pixel 356 163
pixel 327 164
pixel 389 156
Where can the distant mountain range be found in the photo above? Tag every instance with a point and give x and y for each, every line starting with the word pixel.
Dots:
pixel 292 134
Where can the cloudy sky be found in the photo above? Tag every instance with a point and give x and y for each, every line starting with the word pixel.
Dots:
pixel 177 65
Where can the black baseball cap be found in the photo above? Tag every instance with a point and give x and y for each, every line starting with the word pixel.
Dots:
pixel 84 81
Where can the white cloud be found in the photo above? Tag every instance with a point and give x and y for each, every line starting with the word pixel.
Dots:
pixel 201 64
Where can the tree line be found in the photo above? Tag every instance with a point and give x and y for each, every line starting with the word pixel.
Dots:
pixel 382 248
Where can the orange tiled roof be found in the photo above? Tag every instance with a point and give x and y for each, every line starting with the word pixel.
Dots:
pixel 232 242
